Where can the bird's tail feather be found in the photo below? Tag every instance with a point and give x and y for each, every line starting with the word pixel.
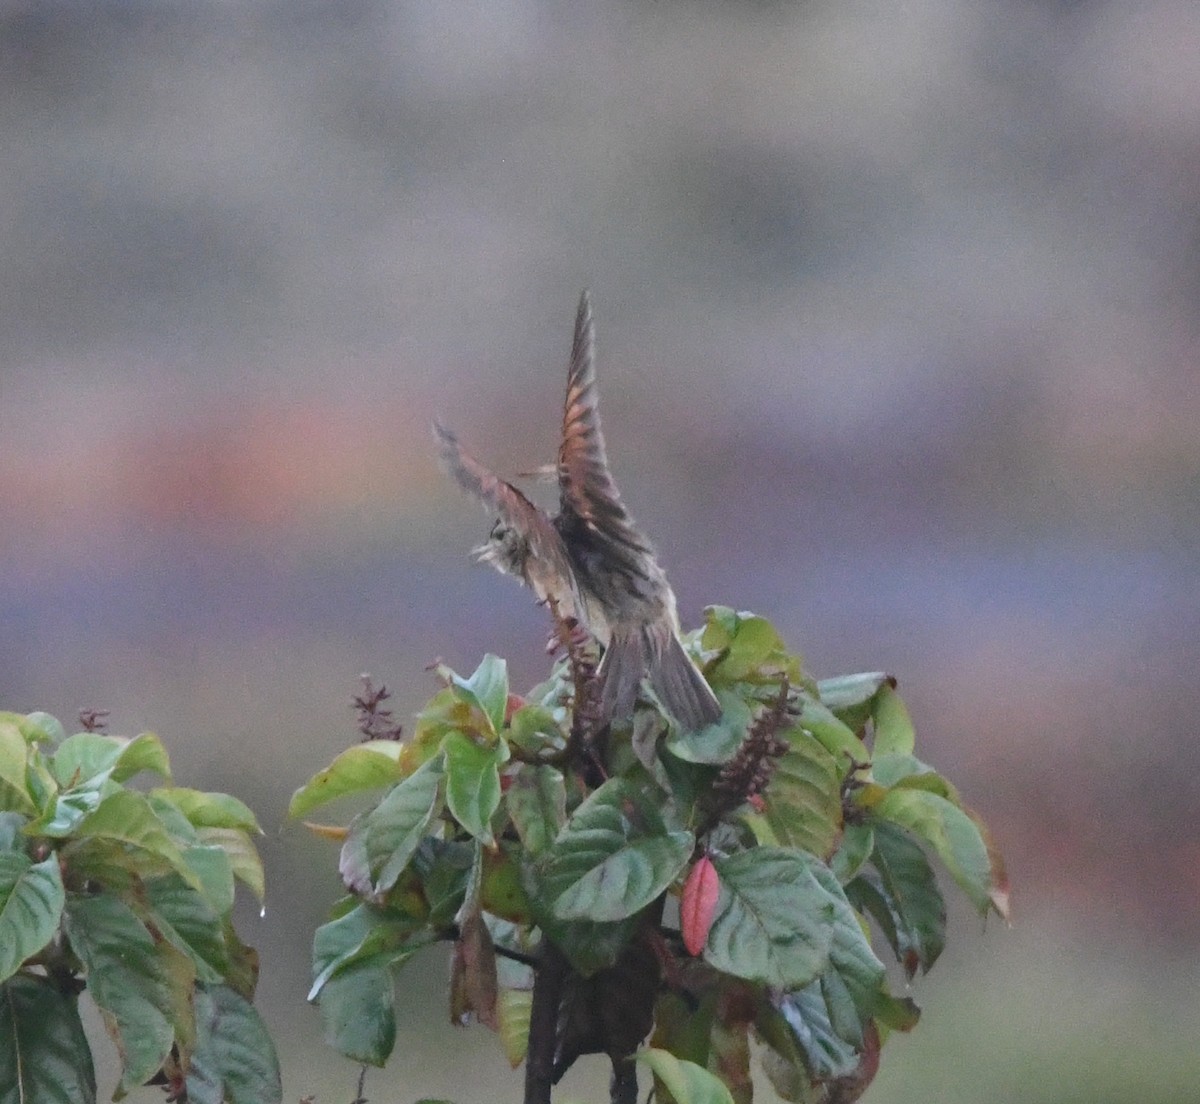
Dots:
pixel 655 651
pixel 621 669
pixel 682 688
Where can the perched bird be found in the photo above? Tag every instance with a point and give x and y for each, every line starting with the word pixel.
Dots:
pixel 591 558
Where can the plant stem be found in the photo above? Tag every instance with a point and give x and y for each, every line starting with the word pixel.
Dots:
pixel 543 1023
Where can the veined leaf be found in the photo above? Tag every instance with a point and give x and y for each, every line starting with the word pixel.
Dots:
pixel 513 1007
pixel 853 851
pixel 362 933
pixel 14 751
pixel 473 782
pixel 188 921
pixel 244 860
pixel 85 756
pixel 852 963
pixel 142 988
pixel 803 802
pixel 214 871
pixel 537 804
pixel 486 689
pixel 501 891
pixel 31 904
pixel 687 1082
pixel 234 1061
pixel 89 758
pixel 62 815
pixel 774 919
pixel 366 766
pixel 358 1008
pixel 834 736
pixel 850 697
pixel 904 898
pixel 893 727
pixel 11 824
pixel 210 810
pixel 382 840
pixel 827 1053
pixel 613 857
pixel 38 727
pixel 534 728
pixel 44 1054
pixel 127 820
pixel 951 833
pixel 750 647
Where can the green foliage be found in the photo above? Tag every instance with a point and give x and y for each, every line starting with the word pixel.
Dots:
pixel 793 823
pixel 126 893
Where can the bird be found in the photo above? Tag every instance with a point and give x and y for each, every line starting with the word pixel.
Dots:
pixel 590 559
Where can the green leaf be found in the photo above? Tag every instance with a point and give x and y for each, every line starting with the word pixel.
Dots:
pixel 444 868
pixel 39 727
pixel 891 768
pixel 213 870
pixel 209 810
pixel 834 736
pixel 894 733
pixel 44 1054
pixel 63 815
pixel 487 689
pixel 904 898
pixel 234 1061
pixel 358 1008
pixel 473 782
pixel 14 793
pixel 31 904
pixel 687 1082
pixel 367 766
pixel 142 988
pixel 85 756
pixel 89 758
pixel 513 1008
pixel 534 728
pixel 11 838
pixel 188 921
pixel 244 860
pixel 362 933
pixel 827 1053
pixel 382 841
pixel 136 838
pixel 750 648
pixel 537 803
pixel 773 921
pixel 803 802
pixel 852 963
pixel 849 697
pixel 613 857
pixel 951 833
pixel 719 741
pixel 853 851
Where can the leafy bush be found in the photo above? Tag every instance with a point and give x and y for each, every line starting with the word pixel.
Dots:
pixel 713 887
pixel 126 894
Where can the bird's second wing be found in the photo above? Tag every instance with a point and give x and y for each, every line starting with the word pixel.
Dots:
pixel 503 498
pixel 586 486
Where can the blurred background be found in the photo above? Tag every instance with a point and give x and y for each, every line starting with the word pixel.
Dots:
pixel 899 320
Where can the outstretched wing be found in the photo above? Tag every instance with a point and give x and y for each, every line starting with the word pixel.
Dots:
pixel 503 498
pixel 586 486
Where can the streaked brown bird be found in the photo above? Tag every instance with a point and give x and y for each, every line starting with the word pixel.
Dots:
pixel 591 558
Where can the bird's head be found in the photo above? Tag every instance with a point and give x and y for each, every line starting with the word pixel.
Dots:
pixel 505 549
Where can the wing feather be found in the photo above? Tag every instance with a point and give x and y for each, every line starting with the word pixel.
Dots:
pixel 501 497
pixel 586 487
